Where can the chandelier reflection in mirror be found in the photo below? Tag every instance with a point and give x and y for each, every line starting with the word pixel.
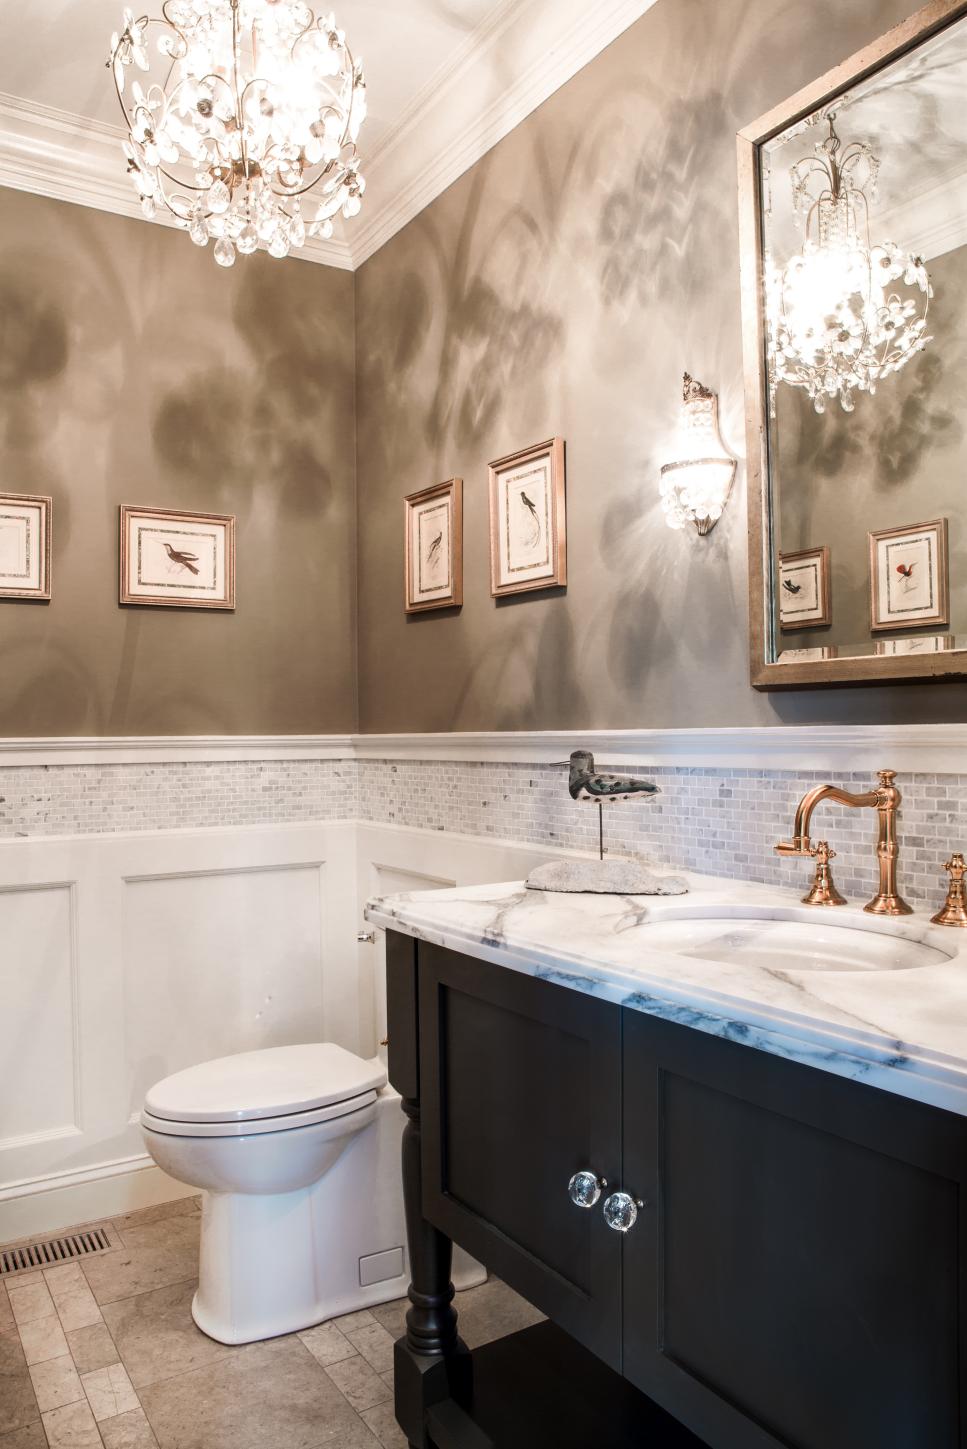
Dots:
pixel 838 319
pixel 695 487
pixel 243 117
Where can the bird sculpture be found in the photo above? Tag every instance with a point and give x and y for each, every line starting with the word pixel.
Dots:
pixel 587 783
pixel 614 876
pixel 183 560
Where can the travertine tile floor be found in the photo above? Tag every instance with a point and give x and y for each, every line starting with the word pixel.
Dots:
pixel 104 1352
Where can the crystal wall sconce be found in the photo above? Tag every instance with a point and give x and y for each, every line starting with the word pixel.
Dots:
pixel 696 487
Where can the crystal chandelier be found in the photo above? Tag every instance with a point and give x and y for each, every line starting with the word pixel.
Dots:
pixel 837 319
pixel 243 122
pixel 696 487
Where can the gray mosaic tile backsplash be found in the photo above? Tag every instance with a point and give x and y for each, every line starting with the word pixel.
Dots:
pixel 104 799
pixel 721 821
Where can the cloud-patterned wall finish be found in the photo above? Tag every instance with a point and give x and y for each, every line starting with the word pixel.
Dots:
pixel 561 287
pixel 133 370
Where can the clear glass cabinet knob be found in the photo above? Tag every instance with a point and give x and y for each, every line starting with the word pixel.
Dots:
pixel 621 1212
pixel 584 1189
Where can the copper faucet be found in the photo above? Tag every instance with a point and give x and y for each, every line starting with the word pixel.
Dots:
pixel 885 799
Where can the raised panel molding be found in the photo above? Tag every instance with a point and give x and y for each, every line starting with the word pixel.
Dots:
pixel 39 1035
pixel 539 44
pixel 220 961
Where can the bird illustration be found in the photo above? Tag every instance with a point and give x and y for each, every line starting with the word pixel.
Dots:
pixel 431 553
pixel 906 573
pixel 529 505
pixel 790 587
pixel 587 783
pixel 184 560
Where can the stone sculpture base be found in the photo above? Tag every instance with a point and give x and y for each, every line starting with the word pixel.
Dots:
pixel 604 877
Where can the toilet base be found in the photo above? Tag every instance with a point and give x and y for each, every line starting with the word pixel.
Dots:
pixel 275 1264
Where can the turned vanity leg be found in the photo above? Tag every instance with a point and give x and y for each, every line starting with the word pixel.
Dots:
pixel 430 1363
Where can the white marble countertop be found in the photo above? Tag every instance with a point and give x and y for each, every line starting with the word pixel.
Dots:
pixel 902 1029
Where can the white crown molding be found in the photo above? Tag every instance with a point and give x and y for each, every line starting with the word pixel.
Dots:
pixel 70 158
pixel 472 105
pixel 462 111
pixel 930 221
pixel 864 748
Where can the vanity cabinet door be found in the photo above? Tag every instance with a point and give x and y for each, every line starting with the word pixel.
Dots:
pixel 520 1088
pixel 794 1278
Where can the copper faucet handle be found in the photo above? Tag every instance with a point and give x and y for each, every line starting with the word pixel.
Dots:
pixel 823 892
pixel 800 845
pixel 954 909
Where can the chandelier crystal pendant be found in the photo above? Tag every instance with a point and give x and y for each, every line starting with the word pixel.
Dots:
pixel 837 315
pixel 696 487
pixel 242 120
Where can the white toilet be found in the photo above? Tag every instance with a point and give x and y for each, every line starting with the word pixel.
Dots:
pixel 297 1149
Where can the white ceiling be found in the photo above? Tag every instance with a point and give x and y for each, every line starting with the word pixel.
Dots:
pixel 54 50
pixel 446 79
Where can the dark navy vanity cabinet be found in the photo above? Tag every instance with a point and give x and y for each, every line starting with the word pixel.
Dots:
pixel 793 1277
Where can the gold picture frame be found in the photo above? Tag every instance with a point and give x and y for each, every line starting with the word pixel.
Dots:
pixel 528 534
pixel 805 574
pixel 173 559
pixel 909 577
pixel 433 548
pixel 25 528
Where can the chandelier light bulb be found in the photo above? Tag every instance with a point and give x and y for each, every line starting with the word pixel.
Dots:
pixel 838 319
pixel 696 487
pixel 236 110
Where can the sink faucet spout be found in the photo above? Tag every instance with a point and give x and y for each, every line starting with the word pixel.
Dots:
pixel 885 799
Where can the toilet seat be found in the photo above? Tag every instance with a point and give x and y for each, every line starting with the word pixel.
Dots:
pixel 251 1127
pixel 272 1090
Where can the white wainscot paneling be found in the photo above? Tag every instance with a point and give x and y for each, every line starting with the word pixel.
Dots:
pixel 220 963
pixel 124 958
pixel 161 950
pixel 38 1059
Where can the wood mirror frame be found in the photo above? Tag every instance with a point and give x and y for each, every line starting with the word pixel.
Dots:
pixel 861 669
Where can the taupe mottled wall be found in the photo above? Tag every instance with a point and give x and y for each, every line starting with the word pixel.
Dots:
pixel 135 370
pixel 562 286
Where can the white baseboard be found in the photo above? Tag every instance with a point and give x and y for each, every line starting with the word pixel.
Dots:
pixel 64 1200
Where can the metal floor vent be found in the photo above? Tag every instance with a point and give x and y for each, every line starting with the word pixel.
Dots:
pixel 53 1251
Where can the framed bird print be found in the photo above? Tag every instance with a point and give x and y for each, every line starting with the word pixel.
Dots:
pixel 24 547
pixel 804 592
pixel 177 560
pixel 433 534
pixel 528 525
pixel 909 586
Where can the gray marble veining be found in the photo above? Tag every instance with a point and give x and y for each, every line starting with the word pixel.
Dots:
pixel 880 1001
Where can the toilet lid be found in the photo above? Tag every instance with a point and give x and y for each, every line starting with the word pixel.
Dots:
pixel 273 1082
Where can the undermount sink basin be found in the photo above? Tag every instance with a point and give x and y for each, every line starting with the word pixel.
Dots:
pixel 778 944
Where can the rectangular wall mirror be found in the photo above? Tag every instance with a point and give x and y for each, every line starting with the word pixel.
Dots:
pixel 853 205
